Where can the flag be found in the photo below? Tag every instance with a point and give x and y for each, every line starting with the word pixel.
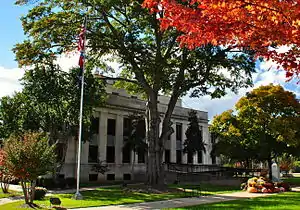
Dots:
pixel 81 49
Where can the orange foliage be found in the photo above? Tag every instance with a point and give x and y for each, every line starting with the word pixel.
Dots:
pixel 254 24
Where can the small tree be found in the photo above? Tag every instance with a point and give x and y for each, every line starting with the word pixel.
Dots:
pixel 4 176
pixel 194 140
pixel 27 157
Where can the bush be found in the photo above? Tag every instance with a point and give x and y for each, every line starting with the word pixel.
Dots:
pixel 40 193
pixel 47 183
pixel 71 182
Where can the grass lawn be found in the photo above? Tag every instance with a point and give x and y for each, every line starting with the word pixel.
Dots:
pixel 10 194
pixel 113 196
pixel 100 197
pixel 284 201
pixel 294 181
pixel 209 189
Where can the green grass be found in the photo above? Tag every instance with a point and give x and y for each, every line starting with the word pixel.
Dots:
pixel 101 197
pixel 209 189
pixel 294 181
pixel 284 201
pixel 116 195
pixel 10 194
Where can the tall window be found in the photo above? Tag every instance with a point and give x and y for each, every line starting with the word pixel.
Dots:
pixel 179 132
pixel 126 154
pixel 141 156
pixel 126 127
pixel 110 154
pixel 95 125
pixel 111 133
pixel 167 156
pixel 93 154
pixel 178 156
pixel 190 157
pixel 111 127
pixel 199 156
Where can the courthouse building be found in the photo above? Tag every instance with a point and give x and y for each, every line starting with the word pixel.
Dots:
pixel 111 124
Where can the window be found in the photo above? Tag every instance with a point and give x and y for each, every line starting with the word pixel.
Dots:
pixel 169 137
pixel 213 159
pixel 93 154
pixel 190 157
pixel 141 156
pixel 178 157
pixel 126 154
pixel 126 177
pixel 111 127
pixel 199 156
pixel 93 177
pixel 95 125
pixel 179 132
pixel 110 177
pixel 110 154
pixel 126 127
pixel 167 156
pixel 59 151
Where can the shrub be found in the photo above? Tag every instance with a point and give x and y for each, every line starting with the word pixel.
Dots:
pixel 71 182
pixel 48 183
pixel 40 193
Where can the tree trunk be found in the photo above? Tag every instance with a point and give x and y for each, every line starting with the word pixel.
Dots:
pixel 25 191
pixel 32 191
pixel 155 144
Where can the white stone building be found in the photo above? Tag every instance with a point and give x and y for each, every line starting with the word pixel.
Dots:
pixel 107 144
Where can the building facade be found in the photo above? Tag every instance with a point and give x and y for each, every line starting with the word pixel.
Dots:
pixel 111 125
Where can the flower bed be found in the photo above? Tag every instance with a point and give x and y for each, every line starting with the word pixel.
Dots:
pixel 264 185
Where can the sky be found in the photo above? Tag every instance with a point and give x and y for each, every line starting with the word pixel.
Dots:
pixel 12 33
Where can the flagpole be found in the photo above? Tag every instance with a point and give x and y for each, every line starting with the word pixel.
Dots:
pixel 77 195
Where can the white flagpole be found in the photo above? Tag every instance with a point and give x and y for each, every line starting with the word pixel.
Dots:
pixel 77 195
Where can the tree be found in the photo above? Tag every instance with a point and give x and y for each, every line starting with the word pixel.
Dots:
pixel 28 157
pixel 152 62
pixel 194 139
pixel 136 141
pixel 49 102
pixel 260 25
pixel 264 126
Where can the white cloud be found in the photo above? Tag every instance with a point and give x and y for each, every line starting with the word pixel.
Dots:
pixel 266 73
pixel 67 61
pixel 9 80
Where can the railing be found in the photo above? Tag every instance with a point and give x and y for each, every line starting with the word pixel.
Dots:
pixel 216 169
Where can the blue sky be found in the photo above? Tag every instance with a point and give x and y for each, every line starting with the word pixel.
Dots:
pixel 12 33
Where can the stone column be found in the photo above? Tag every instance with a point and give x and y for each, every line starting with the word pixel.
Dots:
pixel 119 139
pixel 173 144
pixel 102 135
pixel 207 142
pixel 184 155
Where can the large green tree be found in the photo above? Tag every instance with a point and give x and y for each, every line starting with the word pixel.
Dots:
pixel 152 62
pixel 264 125
pixel 49 102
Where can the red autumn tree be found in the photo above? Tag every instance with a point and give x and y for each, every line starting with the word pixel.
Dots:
pixel 261 25
pixel 4 177
pixel 27 157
